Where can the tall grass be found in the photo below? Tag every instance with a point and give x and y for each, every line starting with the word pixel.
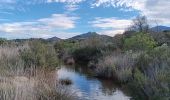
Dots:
pixel 19 81
pixel 117 66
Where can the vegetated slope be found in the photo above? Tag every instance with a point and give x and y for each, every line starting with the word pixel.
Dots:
pixel 53 39
pixel 160 28
pixel 90 35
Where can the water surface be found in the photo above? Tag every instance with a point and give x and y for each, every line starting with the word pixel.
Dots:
pixel 87 87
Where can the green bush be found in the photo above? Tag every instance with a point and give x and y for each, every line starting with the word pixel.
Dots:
pixel 2 40
pixel 65 48
pixel 152 76
pixel 39 54
pixel 139 42
pixel 86 54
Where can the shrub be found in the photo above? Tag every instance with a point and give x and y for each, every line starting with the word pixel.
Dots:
pixel 152 76
pixel 39 54
pixel 116 66
pixel 161 37
pixel 139 42
pixel 86 54
pixel 91 49
pixel 2 40
pixel 65 48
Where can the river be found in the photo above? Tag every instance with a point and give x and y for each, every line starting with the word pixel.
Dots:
pixel 87 87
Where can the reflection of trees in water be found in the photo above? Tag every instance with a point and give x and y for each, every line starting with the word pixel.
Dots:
pixel 82 70
pixel 108 88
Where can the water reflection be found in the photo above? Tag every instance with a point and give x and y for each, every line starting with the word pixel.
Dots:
pixel 89 88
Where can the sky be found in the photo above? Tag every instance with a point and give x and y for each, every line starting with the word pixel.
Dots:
pixel 67 18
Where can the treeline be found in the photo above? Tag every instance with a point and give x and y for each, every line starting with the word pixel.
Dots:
pixel 138 59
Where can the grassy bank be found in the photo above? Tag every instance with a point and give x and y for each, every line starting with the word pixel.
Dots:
pixel 28 72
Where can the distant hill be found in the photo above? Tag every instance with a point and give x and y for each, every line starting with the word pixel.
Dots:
pixel 30 39
pixel 53 39
pixel 78 37
pixel 89 35
pixel 160 28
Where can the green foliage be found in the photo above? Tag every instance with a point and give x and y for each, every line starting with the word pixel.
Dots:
pixel 152 76
pixel 139 42
pixel 91 49
pixel 86 54
pixel 39 54
pixel 140 78
pixel 84 50
pixel 65 48
pixel 2 40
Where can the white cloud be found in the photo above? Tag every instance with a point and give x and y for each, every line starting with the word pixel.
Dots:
pixel 111 26
pixel 44 26
pixel 111 32
pixel 157 10
pixel 114 3
pixel 66 1
pixel 70 5
pixel 153 9
pixel 114 23
pixel 71 8
pixel 61 21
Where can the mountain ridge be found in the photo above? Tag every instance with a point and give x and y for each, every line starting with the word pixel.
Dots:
pixel 160 28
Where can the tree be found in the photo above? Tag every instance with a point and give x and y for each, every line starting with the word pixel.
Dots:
pixel 140 24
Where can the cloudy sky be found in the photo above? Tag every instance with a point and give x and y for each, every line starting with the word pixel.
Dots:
pixel 67 18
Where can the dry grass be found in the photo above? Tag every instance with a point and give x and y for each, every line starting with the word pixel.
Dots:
pixel 116 66
pixel 18 83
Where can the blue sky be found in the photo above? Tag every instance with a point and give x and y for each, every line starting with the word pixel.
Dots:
pixel 67 18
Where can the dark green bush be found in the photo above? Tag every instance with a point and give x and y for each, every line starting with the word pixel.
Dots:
pixel 86 54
